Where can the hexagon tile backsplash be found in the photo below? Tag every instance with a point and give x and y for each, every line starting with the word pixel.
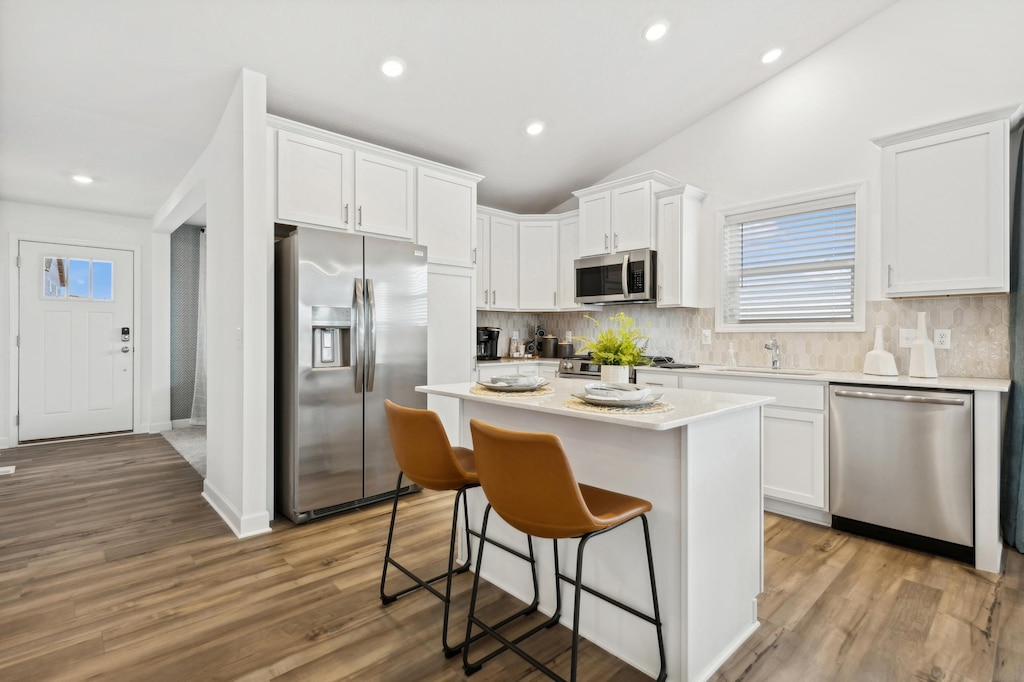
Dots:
pixel 979 343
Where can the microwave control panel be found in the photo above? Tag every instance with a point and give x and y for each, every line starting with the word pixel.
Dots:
pixel 635 280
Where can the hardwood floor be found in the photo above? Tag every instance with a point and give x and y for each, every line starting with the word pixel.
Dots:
pixel 113 567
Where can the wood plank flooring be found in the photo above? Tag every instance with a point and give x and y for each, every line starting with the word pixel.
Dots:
pixel 113 567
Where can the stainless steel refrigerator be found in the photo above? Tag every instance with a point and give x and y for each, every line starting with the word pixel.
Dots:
pixel 351 330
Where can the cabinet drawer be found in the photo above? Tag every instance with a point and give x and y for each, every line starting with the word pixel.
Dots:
pixel 798 394
pixel 662 379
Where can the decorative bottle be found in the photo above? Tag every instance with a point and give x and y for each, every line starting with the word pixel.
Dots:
pixel 922 351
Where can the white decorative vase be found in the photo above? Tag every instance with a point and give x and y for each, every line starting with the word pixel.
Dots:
pixel 878 361
pixel 615 374
pixel 922 351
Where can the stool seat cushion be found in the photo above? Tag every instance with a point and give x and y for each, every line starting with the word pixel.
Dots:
pixel 610 508
pixel 423 451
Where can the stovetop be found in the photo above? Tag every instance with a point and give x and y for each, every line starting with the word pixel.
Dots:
pixel 584 365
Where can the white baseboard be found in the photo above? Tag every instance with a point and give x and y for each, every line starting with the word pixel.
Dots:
pixel 181 423
pixel 157 427
pixel 243 527
pixel 798 511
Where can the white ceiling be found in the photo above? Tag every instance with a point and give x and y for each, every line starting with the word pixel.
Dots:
pixel 130 92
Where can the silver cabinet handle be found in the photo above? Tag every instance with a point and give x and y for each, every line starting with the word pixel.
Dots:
pixel 868 395
pixel 606 242
pixel 659 292
pixel 474 256
pixel 554 298
pixel 125 349
pixel 652 383
pixel 890 275
pixel 359 216
pixel 615 242
pixel 494 296
pixel 346 214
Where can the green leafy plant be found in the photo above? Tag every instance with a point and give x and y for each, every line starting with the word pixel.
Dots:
pixel 620 343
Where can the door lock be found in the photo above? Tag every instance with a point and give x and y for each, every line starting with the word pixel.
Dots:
pixel 125 349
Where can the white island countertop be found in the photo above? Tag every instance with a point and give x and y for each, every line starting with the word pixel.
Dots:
pixel 688 406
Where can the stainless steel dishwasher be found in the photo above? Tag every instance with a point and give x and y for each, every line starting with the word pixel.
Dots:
pixel 901 467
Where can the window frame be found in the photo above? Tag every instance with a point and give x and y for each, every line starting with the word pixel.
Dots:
pixel 785 206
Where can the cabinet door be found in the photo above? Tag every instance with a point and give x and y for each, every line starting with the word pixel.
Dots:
pixel 451 338
pixel 631 217
pixel 384 196
pixel 568 252
pixel 670 227
pixel 794 456
pixel 657 379
pixel 504 255
pixel 314 181
pixel 538 265
pixel 945 215
pixel 446 217
pixel 595 224
pixel 483 262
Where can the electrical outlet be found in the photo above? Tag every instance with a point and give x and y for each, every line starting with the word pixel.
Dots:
pixel 907 337
pixel 705 337
pixel 943 338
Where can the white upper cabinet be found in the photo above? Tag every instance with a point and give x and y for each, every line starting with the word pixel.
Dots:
pixel 568 252
pixel 497 261
pixel 446 217
pixel 619 215
pixel 330 180
pixel 678 227
pixel 538 264
pixel 946 208
pixel 314 180
pixel 384 196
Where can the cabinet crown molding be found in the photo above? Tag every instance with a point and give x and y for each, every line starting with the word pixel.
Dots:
pixel 656 176
pixel 683 190
pixel 279 123
pixel 1001 114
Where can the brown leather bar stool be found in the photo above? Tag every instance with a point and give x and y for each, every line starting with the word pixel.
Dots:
pixel 529 482
pixel 426 457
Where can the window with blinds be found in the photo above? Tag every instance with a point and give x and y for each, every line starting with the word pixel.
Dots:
pixel 792 264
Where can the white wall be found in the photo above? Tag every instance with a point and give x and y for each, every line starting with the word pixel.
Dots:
pixel 45 223
pixel 230 177
pixel 919 62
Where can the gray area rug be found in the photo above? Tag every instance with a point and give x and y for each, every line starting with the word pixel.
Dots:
pixel 190 442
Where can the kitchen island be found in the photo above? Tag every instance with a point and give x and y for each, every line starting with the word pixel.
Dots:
pixel 699 464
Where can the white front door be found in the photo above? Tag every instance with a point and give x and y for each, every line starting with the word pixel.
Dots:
pixel 76 340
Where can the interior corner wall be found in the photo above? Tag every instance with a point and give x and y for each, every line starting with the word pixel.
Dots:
pixel 184 318
pixel 810 127
pixel 47 223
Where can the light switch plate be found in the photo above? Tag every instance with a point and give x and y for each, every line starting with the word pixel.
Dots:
pixel 943 338
pixel 907 337
pixel 705 337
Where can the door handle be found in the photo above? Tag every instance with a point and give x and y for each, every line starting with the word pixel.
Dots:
pixel 868 395
pixel 371 340
pixel 357 316
pixel 125 349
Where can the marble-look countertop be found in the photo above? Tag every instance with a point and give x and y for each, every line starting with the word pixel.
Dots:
pixel 833 377
pixel 689 406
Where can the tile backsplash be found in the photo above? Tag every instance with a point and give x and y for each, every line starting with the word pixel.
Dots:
pixel 979 343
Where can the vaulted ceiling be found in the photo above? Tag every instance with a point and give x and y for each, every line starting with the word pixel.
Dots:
pixel 129 92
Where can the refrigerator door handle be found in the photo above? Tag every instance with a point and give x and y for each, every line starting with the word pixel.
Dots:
pixel 357 338
pixel 371 336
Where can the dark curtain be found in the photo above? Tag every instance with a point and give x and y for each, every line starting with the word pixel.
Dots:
pixel 1013 438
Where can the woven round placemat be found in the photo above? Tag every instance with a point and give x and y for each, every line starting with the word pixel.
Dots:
pixel 653 408
pixel 476 389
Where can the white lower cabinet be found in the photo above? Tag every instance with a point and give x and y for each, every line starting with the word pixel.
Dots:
pixel 657 379
pixel 795 462
pixel 489 371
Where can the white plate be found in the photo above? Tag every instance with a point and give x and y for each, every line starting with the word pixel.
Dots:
pixel 611 402
pixel 504 388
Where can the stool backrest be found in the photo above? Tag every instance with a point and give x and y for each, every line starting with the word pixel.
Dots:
pixel 422 448
pixel 529 482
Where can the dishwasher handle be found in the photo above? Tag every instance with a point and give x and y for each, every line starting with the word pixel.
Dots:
pixel 927 400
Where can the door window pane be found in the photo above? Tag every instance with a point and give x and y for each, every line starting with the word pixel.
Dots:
pixel 102 280
pixel 78 278
pixel 55 278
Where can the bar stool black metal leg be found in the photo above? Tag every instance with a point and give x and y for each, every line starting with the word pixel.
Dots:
pixel 654 596
pixel 385 598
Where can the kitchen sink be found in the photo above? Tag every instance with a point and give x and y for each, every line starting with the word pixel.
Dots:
pixel 766 370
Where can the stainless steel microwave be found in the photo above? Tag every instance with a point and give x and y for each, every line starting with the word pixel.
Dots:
pixel 624 277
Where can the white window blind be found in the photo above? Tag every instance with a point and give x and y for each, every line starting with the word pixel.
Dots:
pixel 792 264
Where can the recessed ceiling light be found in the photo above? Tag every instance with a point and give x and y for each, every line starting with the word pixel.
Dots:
pixel 393 67
pixel 81 179
pixel 535 128
pixel 771 55
pixel 656 31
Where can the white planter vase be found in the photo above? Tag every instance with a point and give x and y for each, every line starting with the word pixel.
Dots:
pixel 922 351
pixel 615 374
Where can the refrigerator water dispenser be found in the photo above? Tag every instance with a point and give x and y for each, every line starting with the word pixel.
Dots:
pixel 331 336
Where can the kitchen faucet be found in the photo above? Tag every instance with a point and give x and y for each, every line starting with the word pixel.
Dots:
pixel 773 346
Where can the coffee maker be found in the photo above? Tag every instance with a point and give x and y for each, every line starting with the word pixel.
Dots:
pixel 487 343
